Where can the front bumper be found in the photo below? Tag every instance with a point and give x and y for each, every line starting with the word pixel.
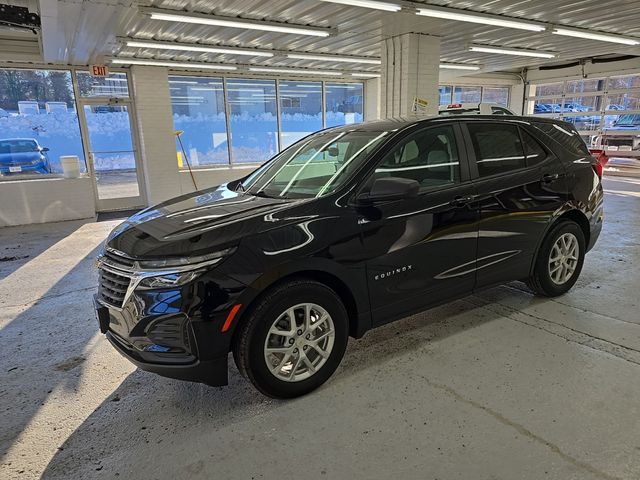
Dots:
pixel 24 169
pixel 213 372
pixel 176 332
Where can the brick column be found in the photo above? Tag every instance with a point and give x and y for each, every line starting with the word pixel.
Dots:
pixel 155 126
pixel 410 68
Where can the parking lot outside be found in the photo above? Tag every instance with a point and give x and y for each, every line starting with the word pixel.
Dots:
pixel 500 384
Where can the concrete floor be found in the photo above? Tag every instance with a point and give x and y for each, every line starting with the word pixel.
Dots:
pixel 500 385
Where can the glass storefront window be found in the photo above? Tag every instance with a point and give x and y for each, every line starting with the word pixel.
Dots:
pixel 624 101
pixel 582 104
pixel 113 85
pixel 551 105
pixel 252 119
pixel 38 121
pixel 467 94
pixel 584 122
pixel 300 110
pixel 499 95
pixel 445 94
pixel 621 83
pixel 549 89
pixel 585 85
pixel 198 112
pixel 344 103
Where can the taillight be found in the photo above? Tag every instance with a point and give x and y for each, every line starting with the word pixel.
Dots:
pixel 601 160
pixel 598 167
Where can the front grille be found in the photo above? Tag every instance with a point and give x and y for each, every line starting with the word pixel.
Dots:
pixel 118 260
pixel 113 287
pixel 114 277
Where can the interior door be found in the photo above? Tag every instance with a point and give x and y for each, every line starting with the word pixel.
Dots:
pixel 422 251
pixel 113 155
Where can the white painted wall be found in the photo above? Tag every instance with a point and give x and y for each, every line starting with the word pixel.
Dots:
pixel 46 200
pixel 155 126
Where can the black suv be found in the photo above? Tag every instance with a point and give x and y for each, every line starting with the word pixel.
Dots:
pixel 346 230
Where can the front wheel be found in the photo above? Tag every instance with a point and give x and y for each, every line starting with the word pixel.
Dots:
pixel 293 340
pixel 559 260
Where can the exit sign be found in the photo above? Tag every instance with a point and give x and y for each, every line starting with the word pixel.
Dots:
pixel 99 70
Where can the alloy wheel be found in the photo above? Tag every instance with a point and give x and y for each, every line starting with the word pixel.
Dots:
pixel 563 259
pixel 299 342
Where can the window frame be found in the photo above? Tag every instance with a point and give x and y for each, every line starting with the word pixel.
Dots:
pixel 367 179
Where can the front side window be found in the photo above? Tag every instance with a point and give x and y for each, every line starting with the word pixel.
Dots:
pixel 430 157
pixel 498 148
pixel 314 166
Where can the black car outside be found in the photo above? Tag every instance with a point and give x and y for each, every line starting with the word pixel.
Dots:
pixel 346 230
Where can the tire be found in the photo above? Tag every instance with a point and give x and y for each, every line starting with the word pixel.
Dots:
pixel 547 279
pixel 266 337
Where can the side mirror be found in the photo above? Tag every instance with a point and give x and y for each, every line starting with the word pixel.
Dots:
pixel 390 189
pixel 45 149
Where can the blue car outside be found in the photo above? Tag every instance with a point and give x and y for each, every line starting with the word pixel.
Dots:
pixel 22 155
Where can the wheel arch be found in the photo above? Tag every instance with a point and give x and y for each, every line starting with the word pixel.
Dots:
pixel 359 318
pixel 573 214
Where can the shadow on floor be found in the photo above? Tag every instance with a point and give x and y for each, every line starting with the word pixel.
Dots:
pixel 32 365
pixel 20 245
pixel 150 411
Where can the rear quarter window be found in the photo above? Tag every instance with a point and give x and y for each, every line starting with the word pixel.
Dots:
pixel 565 135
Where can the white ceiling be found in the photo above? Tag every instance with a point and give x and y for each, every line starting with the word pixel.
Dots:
pixel 79 32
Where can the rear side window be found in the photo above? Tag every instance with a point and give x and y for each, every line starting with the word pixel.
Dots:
pixel 534 152
pixel 565 135
pixel 498 148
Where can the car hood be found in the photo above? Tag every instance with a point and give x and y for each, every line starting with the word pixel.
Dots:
pixel 20 157
pixel 199 223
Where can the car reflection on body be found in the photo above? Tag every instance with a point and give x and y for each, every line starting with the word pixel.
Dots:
pixel 23 155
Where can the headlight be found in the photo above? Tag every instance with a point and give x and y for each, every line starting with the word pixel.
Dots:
pixel 167 263
pixel 170 280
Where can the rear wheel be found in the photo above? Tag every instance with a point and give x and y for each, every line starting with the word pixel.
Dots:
pixel 559 261
pixel 293 340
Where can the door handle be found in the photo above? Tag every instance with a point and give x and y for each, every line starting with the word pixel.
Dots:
pixel 550 177
pixel 461 201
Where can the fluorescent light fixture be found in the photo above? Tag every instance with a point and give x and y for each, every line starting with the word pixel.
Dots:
pixel 511 51
pixel 366 75
pixel 465 16
pixel 334 58
pixel 161 63
pixel 197 48
pixel 238 23
pixel 459 66
pixel 294 71
pixel 595 36
pixel 387 7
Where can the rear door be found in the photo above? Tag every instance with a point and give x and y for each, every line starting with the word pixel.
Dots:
pixel 422 251
pixel 520 184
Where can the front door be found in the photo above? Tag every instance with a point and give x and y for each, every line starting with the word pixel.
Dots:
pixel 113 154
pixel 422 251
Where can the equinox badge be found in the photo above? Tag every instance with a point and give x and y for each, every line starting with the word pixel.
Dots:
pixel 393 272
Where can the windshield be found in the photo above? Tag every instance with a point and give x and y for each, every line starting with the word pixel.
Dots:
pixel 314 166
pixel 629 120
pixel 17 146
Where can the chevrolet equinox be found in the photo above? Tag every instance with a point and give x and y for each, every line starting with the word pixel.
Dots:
pixel 346 230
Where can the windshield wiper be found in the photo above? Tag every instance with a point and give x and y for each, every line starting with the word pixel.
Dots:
pixel 260 193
